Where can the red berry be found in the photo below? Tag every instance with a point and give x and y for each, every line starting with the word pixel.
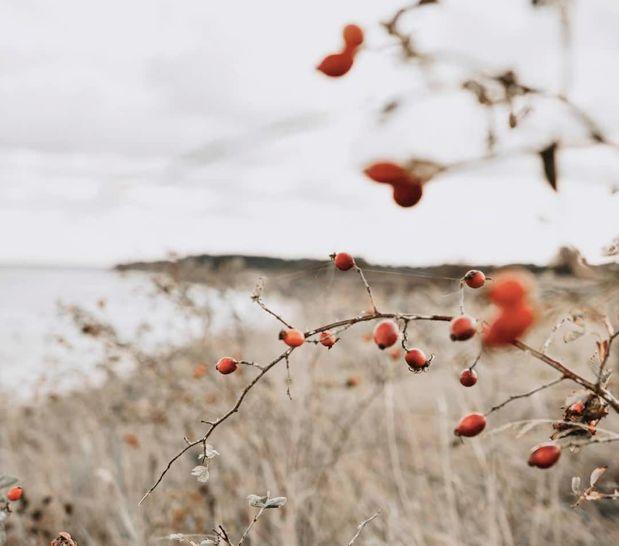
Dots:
pixel 292 337
pixel 474 278
pixel 353 35
pixel 336 65
pixel 544 455
pixel 386 333
pixel 509 325
pixel 471 425
pixel 407 194
pixel 509 289
pixel 577 408
pixel 387 173
pixel 226 365
pixel 468 377
pixel 15 493
pixel 344 261
pixel 327 339
pixel 462 328
pixel 416 359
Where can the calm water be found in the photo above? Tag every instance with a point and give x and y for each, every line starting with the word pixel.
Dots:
pixel 30 322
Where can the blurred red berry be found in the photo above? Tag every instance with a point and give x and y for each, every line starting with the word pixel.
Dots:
pixel 509 325
pixel 471 425
pixel 344 261
pixel 474 278
pixel 545 455
pixel 353 35
pixel 336 65
pixel 292 337
pixel 14 493
pixel 327 339
pixel 226 365
pixel 509 289
pixel 577 408
pixel 386 333
pixel 407 194
pixel 462 328
pixel 387 172
pixel 468 377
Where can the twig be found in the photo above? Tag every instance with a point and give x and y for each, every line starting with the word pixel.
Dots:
pixel 214 424
pixel 252 523
pixel 525 395
pixel 367 288
pixel 569 374
pixel 361 526
pixel 566 374
pixel 259 301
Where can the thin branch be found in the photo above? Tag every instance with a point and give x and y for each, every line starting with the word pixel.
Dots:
pixel 566 374
pixel 367 288
pixel 214 424
pixel 569 374
pixel 361 526
pixel 252 523
pixel 525 395
pixel 259 301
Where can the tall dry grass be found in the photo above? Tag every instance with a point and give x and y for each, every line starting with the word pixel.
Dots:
pixel 360 434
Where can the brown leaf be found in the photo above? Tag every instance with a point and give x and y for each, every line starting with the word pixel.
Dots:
pixel 597 474
pixel 63 539
pixel 603 349
pixel 549 161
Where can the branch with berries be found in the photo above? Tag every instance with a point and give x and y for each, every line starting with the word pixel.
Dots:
pixel 497 92
pixel 510 292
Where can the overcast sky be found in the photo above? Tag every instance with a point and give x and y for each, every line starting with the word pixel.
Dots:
pixel 129 129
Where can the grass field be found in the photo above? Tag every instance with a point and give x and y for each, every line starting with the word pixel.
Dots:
pixel 361 433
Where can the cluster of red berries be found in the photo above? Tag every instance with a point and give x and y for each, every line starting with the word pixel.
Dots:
pixel 510 293
pixel 338 64
pixel 407 188
pixel 14 493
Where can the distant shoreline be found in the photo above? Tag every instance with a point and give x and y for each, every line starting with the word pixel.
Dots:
pixel 567 263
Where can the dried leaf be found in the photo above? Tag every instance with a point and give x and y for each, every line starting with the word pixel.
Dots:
pixel 597 474
pixel 603 349
pixel 276 502
pixel 573 335
pixel 576 485
pixel 266 502
pixel 593 495
pixel 201 473
pixel 7 481
pixel 549 161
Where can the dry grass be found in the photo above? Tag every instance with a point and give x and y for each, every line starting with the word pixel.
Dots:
pixel 360 434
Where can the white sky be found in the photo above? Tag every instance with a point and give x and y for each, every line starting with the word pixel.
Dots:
pixel 130 129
